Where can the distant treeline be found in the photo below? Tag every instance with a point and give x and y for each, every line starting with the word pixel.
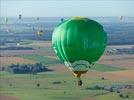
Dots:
pixel 16 48
pixel 27 68
pixel 121 39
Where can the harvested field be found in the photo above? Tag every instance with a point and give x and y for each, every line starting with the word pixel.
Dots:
pixel 41 43
pixel 60 68
pixel 8 98
pixel 14 60
pixel 116 75
pixel 16 52
pixel 124 61
pixel 127 74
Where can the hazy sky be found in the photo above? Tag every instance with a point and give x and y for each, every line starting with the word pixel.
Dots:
pixel 51 8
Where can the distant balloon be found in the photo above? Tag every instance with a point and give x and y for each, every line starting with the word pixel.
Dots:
pixel 18 44
pixel 40 32
pixel 6 20
pixel 121 17
pixel 33 28
pixel 38 18
pixel 20 16
pixel 39 47
pixel 28 24
pixel 62 19
pixel 7 30
pixel 79 43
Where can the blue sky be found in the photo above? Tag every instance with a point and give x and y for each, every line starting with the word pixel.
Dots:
pixel 53 8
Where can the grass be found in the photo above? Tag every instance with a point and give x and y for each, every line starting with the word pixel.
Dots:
pixel 104 68
pixel 26 42
pixel 42 59
pixel 24 87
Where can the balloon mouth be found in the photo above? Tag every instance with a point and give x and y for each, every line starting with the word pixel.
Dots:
pixel 79 66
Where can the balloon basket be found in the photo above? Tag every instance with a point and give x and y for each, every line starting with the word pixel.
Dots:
pixel 78 74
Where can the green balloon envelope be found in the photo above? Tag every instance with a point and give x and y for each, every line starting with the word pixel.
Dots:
pixel 79 43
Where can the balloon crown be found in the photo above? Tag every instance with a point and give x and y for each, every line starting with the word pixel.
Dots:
pixel 78 17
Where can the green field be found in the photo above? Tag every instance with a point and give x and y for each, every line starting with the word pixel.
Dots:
pixel 104 68
pixel 42 59
pixel 24 87
pixel 26 42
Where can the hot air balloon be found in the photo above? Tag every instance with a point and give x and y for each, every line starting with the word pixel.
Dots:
pixel 62 19
pixel 121 17
pixel 40 32
pixel 79 43
pixel 8 30
pixel 38 18
pixel 6 20
pixel 20 16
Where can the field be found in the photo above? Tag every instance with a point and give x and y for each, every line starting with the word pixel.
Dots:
pixel 24 87
pixel 4 61
pixel 123 61
pixel 60 84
